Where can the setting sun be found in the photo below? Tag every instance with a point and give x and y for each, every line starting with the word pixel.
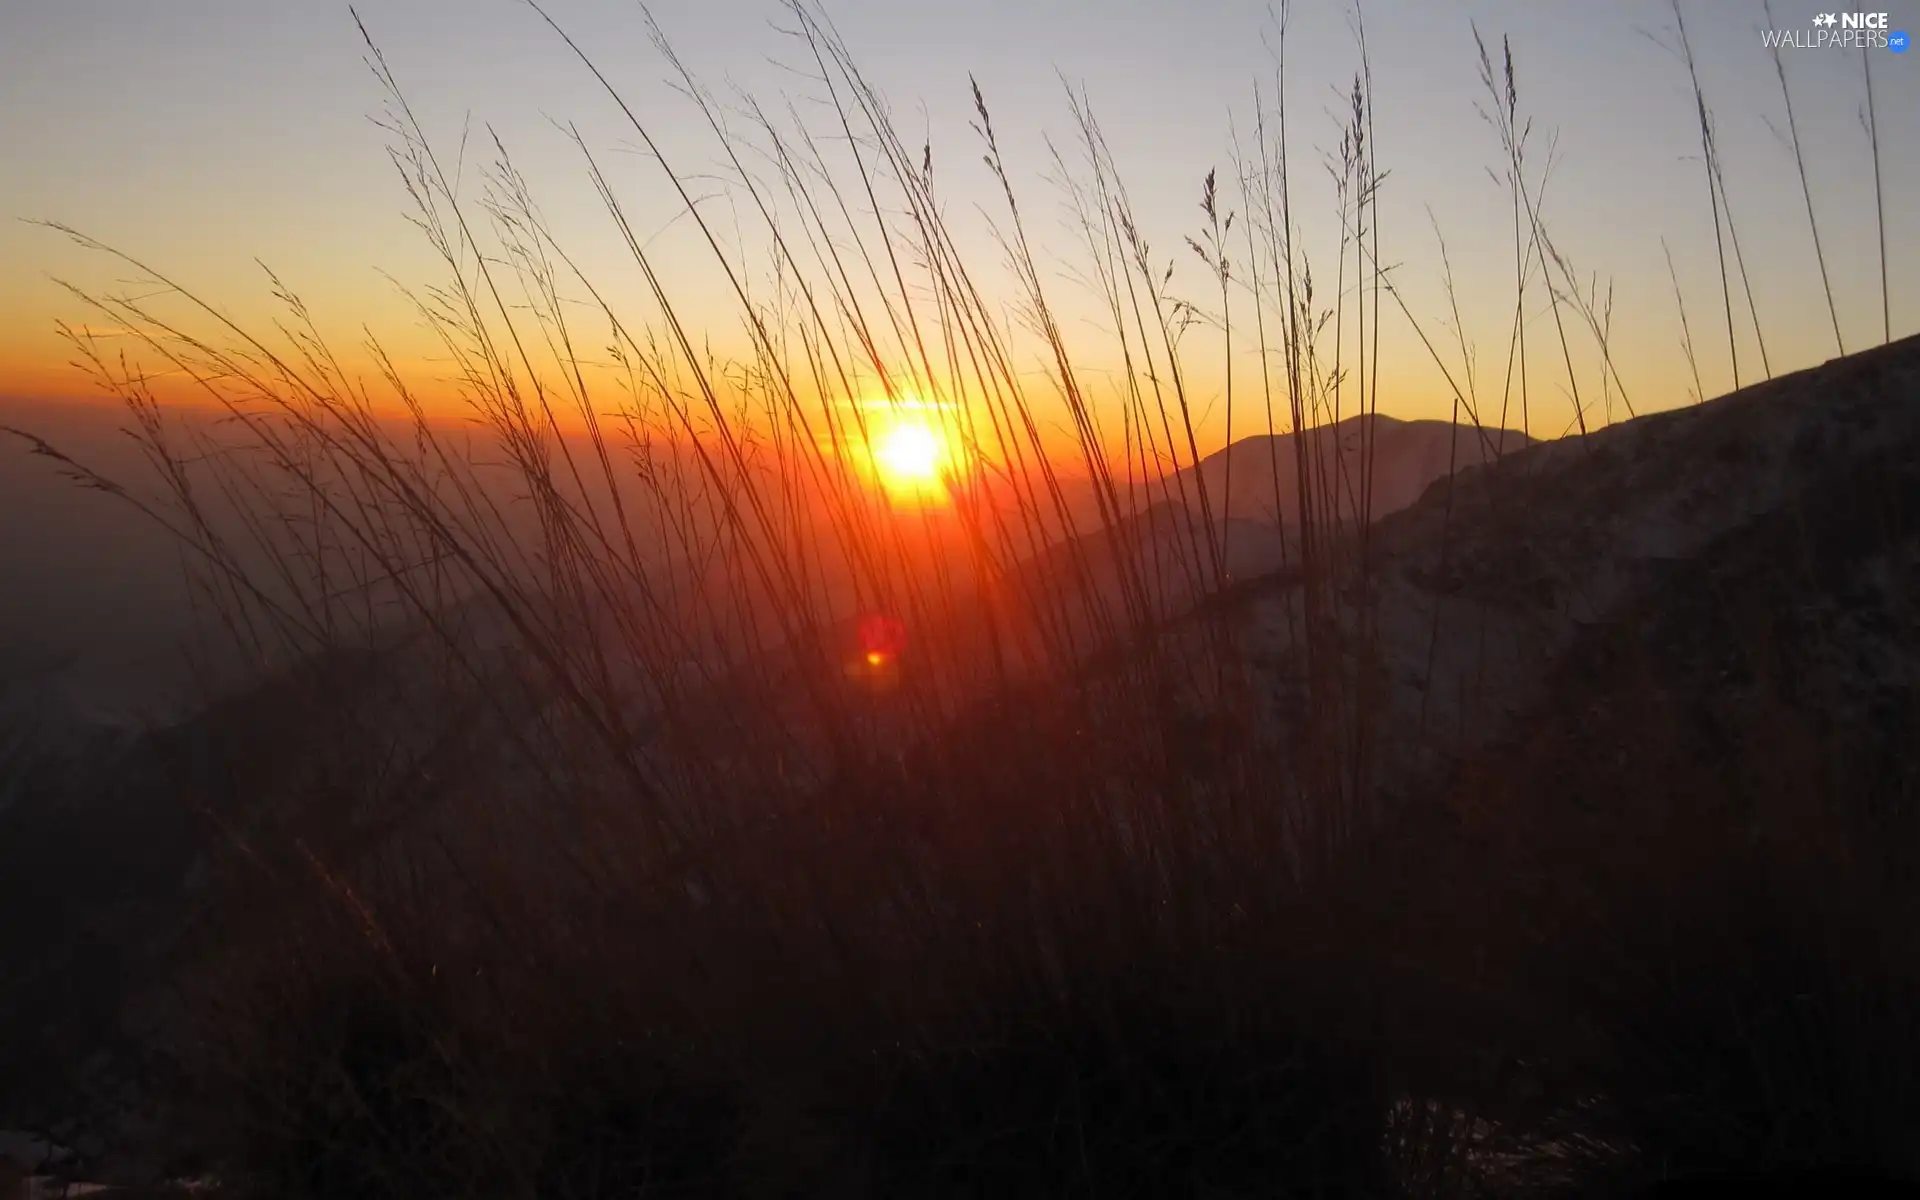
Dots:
pixel 911 458
pixel 910 453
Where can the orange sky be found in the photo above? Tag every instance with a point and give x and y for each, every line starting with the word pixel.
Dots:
pixel 218 133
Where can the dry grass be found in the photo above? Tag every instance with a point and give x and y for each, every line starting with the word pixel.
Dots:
pixel 588 873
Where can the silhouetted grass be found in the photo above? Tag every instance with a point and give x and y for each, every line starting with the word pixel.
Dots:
pixel 569 862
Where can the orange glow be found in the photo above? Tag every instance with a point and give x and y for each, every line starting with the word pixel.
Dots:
pixel 912 457
pixel 875 658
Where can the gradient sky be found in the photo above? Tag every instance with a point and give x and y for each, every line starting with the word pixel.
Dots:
pixel 204 134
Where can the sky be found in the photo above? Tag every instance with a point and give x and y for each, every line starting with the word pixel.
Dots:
pixel 206 137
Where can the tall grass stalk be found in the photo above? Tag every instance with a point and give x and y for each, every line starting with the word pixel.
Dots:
pixel 1709 163
pixel 1806 187
pixel 1872 122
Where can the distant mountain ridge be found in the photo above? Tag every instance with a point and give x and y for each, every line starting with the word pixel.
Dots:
pixel 1401 459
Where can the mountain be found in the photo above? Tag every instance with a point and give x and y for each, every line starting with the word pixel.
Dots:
pixel 1402 460
pixel 1144 569
pixel 1781 514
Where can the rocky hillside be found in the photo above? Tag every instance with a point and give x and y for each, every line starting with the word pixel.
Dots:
pixel 1782 515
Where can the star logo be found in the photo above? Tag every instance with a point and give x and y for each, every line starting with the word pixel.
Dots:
pixel 1827 19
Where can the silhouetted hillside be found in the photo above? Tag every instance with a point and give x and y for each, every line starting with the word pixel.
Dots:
pixel 1373 464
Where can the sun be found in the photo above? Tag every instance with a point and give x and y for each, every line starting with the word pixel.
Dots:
pixel 911 457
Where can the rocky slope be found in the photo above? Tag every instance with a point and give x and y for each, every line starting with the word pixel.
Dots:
pixel 1791 501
